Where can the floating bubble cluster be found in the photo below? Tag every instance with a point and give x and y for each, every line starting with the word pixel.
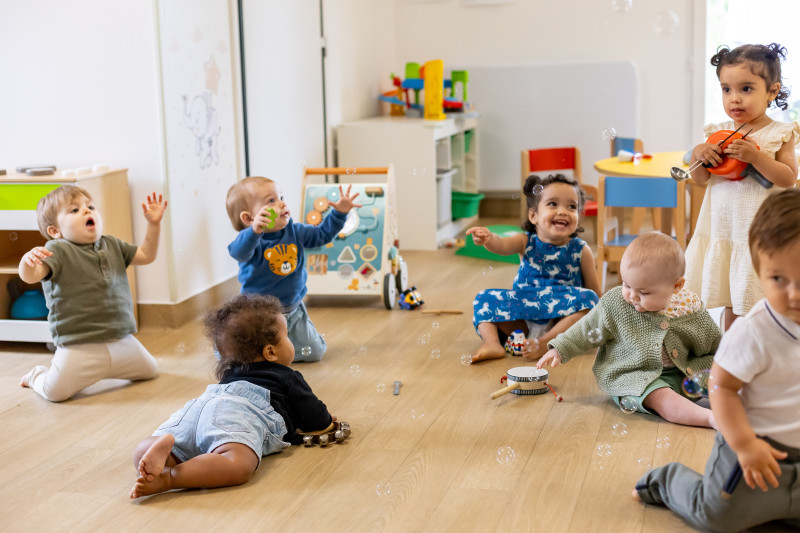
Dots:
pixel 666 23
pixel 538 189
pixel 487 270
pixel 423 339
pixel 306 350
pixel 644 462
pixel 619 429
pixel 621 6
pixel 383 489
pixel 181 347
pixel 662 442
pixel 434 325
pixel 506 455
pixel 696 385
pixel 13 236
pixel 362 350
pixel 419 171
pixel 595 336
pixel 628 404
pixel 417 415
pixel 436 353
pixel 603 450
pixel 355 370
pixel 466 359
pixel 608 134
pixel 381 387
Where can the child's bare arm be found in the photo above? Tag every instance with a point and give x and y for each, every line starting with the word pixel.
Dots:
pixel 514 244
pixel 153 211
pixel 756 457
pixel 782 171
pixel 588 271
pixel 31 267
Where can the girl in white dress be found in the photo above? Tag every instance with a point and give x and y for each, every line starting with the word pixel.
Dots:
pixel 718 265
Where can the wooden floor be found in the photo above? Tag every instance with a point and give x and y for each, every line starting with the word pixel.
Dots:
pixel 440 456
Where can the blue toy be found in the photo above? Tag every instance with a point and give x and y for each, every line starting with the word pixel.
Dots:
pixel 410 298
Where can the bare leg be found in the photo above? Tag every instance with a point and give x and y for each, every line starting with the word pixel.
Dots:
pixel 535 350
pixel 491 347
pixel 675 408
pixel 728 318
pixel 152 456
pixel 229 464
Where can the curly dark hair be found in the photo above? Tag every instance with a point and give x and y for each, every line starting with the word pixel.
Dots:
pixel 763 60
pixel 532 191
pixel 241 328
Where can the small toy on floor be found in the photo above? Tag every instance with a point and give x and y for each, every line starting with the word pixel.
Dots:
pixel 410 298
pixel 515 342
pixel 337 432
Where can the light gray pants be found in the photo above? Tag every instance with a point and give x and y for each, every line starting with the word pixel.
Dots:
pixel 697 499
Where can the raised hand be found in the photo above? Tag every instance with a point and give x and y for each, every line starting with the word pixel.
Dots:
pixel 480 235
pixel 345 203
pixel 36 255
pixel 154 208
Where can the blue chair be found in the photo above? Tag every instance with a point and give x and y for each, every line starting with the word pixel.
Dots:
pixel 630 144
pixel 618 192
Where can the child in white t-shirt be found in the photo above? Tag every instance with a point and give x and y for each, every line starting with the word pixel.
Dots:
pixel 754 388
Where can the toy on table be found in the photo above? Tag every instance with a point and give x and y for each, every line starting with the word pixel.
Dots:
pixel 515 342
pixel 730 168
pixel 525 381
pixel 336 432
pixel 630 157
pixel 410 298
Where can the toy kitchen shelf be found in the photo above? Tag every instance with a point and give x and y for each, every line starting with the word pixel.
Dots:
pixel 419 150
pixel 19 232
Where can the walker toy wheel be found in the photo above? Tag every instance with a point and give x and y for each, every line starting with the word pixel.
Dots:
pixel 402 276
pixel 389 291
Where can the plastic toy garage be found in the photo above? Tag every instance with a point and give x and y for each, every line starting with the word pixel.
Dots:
pixel 363 259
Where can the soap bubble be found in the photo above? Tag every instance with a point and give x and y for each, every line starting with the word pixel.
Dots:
pixel 306 351
pixel 619 429
pixel 662 442
pixel 381 387
pixel 487 270
pixel 666 23
pixel 466 359
pixel 351 170
pixel 417 415
pixel 181 347
pixel 13 236
pixel 434 325
pixel 621 6
pixel 423 339
pixel 436 353
pixel 608 134
pixel 595 336
pixel 628 405
pixel 696 385
pixel 362 350
pixel 538 189
pixel 419 171
pixel 506 455
pixel 383 489
pixel 355 370
pixel 644 462
pixel 603 450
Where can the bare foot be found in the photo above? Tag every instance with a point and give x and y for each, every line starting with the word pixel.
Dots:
pixel 154 459
pixel 489 351
pixel 635 495
pixel 161 483
pixel 534 349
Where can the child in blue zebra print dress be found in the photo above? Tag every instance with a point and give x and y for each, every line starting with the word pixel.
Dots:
pixel 556 283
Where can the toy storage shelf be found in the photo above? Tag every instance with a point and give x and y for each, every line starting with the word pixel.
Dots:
pixel 418 149
pixel 19 232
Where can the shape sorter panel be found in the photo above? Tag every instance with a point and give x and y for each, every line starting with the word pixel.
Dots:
pixel 353 263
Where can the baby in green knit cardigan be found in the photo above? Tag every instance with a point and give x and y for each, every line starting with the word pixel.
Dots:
pixel 650 333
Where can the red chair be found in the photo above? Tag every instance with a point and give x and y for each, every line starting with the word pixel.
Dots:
pixel 548 160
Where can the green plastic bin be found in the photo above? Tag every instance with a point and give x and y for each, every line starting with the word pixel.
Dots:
pixel 465 204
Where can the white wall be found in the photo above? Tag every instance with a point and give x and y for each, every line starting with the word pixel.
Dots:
pixel 80 87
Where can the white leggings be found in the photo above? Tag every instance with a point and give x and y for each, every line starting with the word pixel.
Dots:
pixel 77 366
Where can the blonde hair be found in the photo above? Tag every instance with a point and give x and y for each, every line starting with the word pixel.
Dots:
pixel 239 197
pixel 48 206
pixel 656 250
